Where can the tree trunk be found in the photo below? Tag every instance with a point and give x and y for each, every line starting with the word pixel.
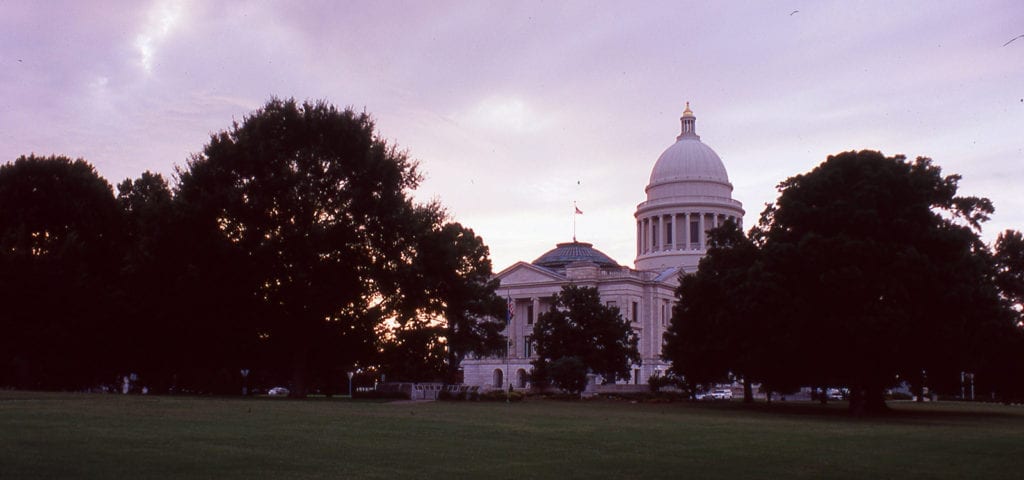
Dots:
pixel 874 399
pixel 867 400
pixel 748 391
pixel 856 400
pixel 300 373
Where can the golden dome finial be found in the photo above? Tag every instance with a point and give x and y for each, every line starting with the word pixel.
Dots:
pixel 687 111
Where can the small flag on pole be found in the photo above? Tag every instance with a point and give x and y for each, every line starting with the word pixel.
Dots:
pixel 578 211
pixel 511 313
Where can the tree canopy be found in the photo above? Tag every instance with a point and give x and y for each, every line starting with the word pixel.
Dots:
pixel 289 247
pixel 868 270
pixel 579 326
pixel 60 233
pixel 449 307
pixel 319 208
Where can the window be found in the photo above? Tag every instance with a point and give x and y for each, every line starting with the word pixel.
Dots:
pixel 636 312
pixel 668 233
pixel 528 350
pixel 694 234
pixel 654 237
pixel 529 315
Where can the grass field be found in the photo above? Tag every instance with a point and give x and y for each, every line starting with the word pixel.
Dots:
pixel 59 435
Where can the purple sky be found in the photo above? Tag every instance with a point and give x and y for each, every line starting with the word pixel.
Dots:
pixel 516 109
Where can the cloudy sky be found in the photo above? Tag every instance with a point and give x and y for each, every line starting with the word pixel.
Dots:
pixel 516 109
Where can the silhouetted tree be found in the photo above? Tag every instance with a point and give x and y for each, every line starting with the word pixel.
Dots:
pixel 883 269
pixel 1001 370
pixel 59 241
pixel 318 206
pixel 719 326
pixel 868 270
pixel 449 305
pixel 579 325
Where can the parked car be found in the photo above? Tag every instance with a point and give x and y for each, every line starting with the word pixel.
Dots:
pixel 722 394
pixel 716 394
pixel 278 392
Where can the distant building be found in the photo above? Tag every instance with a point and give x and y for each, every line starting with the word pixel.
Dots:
pixel 688 193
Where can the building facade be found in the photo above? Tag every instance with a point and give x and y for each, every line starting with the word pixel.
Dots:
pixel 688 193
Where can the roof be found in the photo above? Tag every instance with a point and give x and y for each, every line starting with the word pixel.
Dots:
pixel 565 253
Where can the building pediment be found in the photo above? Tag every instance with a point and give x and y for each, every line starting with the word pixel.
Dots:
pixel 525 273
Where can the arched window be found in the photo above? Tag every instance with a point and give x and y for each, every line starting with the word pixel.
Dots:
pixel 498 380
pixel 521 378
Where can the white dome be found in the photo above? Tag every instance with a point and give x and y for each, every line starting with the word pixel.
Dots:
pixel 688 159
pixel 688 168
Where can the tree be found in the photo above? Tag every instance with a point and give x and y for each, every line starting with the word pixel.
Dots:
pixel 579 325
pixel 315 209
pixel 449 305
pixel 867 270
pixel 883 267
pixel 1001 369
pixel 569 374
pixel 1009 258
pixel 717 326
pixel 59 238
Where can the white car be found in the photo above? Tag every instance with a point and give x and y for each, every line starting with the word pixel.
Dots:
pixel 716 394
pixel 721 394
pixel 278 392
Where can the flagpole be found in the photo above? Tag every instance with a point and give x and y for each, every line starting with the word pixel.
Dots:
pixel 575 211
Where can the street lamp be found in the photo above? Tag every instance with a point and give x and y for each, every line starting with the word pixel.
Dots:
pixel 350 375
pixel 245 381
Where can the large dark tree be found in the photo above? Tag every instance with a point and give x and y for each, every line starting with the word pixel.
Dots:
pixel 449 307
pixel 884 267
pixel 1001 370
pixel 59 243
pixel 718 327
pixel 870 271
pixel 187 304
pixel 316 206
pixel 578 325
pixel 1009 258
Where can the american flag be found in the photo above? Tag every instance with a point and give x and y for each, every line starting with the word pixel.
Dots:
pixel 511 310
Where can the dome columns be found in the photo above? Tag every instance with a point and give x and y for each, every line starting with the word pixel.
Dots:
pixel 679 231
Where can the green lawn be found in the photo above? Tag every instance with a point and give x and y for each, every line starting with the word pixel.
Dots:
pixel 53 435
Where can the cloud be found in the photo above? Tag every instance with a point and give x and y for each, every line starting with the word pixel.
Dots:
pixel 505 114
pixel 163 17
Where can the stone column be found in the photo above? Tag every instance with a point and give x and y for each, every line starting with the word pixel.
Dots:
pixel 702 235
pixel 643 241
pixel 654 234
pixel 686 231
pixel 676 231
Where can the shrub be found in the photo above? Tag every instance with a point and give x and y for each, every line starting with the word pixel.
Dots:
pixel 501 396
pixel 569 374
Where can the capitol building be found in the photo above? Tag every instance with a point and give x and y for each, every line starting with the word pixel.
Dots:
pixel 688 194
